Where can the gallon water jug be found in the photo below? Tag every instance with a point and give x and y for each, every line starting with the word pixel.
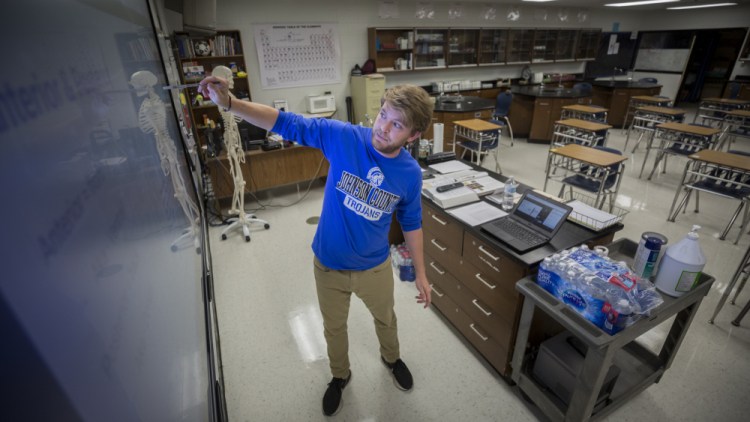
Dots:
pixel 681 266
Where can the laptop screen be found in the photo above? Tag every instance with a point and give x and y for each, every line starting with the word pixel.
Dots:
pixel 543 213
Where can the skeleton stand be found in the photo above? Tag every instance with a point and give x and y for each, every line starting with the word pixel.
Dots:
pixel 236 156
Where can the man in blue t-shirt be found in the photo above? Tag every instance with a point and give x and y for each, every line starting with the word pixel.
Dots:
pixel 371 176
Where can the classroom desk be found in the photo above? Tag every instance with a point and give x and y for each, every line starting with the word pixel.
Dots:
pixel 590 163
pixel 584 112
pixel 682 138
pixel 473 276
pixel 711 111
pixel 736 124
pixel 577 131
pixel 719 173
pixel 644 100
pixel 646 118
pixel 475 133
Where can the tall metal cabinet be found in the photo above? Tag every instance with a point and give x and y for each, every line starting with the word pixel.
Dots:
pixel 366 93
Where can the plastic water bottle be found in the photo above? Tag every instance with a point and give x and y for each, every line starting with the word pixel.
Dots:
pixel 508 193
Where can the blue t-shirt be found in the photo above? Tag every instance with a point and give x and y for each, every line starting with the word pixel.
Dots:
pixel 362 191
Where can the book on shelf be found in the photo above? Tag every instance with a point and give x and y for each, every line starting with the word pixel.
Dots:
pixel 193 70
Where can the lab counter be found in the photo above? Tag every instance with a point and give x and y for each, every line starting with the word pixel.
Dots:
pixel 615 96
pixel 454 103
pixel 540 91
pixel 535 109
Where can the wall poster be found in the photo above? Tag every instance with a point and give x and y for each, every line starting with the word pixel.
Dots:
pixel 298 55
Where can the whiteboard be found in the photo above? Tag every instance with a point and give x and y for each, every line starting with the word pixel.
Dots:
pixel 662 59
pixel 298 55
pixel 90 281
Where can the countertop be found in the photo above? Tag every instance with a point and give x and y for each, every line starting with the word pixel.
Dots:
pixel 452 103
pixel 550 91
pixel 624 84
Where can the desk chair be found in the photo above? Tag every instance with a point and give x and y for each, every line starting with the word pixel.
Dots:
pixel 679 144
pixel 502 111
pixel 583 86
pixel 734 90
pixel 603 182
pixel 721 181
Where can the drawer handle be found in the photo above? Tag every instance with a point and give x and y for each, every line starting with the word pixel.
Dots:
pixel 445 223
pixel 437 245
pixel 486 252
pixel 489 263
pixel 439 271
pixel 474 301
pixel 478 277
pixel 484 338
pixel 434 290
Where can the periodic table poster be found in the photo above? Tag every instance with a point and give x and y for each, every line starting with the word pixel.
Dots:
pixel 298 55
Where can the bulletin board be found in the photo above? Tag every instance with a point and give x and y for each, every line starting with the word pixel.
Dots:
pixel 298 55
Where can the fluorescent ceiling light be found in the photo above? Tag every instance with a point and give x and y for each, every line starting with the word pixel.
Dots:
pixel 640 3
pixel 537 1
pixel 701 6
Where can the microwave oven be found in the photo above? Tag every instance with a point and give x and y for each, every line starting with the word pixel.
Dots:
pixel 321 104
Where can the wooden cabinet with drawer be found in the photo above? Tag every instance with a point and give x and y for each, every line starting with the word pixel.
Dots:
pixel 474 285
pixel 474 278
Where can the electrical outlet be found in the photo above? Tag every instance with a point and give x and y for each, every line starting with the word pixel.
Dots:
pixel 280 105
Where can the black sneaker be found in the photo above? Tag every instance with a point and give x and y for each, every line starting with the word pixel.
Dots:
pixel 401 375
pixel 332 398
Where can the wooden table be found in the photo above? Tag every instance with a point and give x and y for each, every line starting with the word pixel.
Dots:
pixel 577 131
pixel 584 112
pixel 587 161
pixel 646 118
pixel 673 132
pixel 715 166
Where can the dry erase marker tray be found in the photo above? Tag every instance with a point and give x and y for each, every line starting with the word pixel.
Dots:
pixel 588 215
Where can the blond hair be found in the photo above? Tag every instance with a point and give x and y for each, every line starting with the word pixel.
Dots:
pixel 413 103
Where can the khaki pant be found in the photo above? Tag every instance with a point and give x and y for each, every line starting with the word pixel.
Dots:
pixel 375 288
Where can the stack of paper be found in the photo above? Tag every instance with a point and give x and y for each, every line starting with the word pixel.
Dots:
pixel 478 213
pixel 451 198
pixel 450 166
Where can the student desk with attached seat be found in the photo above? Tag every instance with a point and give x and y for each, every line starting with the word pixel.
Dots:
pixel 586 161
pixel 719 173
pixel 646 118
pixel 682 138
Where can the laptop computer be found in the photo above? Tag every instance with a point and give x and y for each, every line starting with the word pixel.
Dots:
pixel 532 223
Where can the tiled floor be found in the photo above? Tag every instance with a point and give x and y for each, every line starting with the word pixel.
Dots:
pixel 273 351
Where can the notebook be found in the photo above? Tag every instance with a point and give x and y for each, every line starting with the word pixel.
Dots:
pixel 532 223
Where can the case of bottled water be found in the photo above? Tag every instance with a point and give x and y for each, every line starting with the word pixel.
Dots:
pixel 604 291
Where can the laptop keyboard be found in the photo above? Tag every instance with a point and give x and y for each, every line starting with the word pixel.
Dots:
pixel 518 231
